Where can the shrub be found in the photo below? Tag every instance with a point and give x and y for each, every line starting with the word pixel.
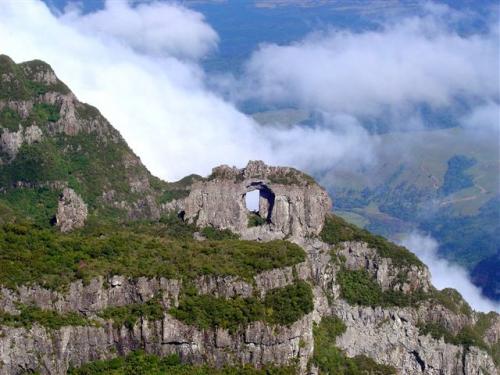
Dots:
pixel 30 315
pixel 287 305
pixel 254 220
pixel 280 306
pixel 53 260
pixel 211 233
pixel 358 287
pixel 139 363
pixel 9 119
pixel 128 315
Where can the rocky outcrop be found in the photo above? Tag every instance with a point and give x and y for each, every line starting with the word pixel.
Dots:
pixel 359 255
pixel 52 352
pixel 291 204
pixel 71 211
pixel 392 337
pixel 11 141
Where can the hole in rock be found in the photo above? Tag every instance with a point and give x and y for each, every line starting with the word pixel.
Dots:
pixel 252 201
pixel 259 203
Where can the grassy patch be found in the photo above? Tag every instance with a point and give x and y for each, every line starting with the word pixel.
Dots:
pixel 31 254
pixel 215 234
pixel 30 315
pixel 282 306
pixel 468 336
pixel 9 119
pixel 38 205
pixel 331 360
pixel 358 287
pixel 337 230
pixel 128 315
pixel 44 112
pixel 139 363
pixel 452 300
pixel 206 311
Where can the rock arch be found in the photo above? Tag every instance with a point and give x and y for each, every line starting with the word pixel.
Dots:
pixel 291 203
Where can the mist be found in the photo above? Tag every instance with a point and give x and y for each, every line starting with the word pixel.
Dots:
pixel 445 274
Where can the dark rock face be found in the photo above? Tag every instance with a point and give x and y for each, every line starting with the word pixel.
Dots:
pixel 291 204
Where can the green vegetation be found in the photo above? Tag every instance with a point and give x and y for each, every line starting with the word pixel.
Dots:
pixel 43 113
pixel 22 85
pixel 9 119
pixel 452 300
pixel 206 311
pixel 212 233
pixel 292 177
pixel 30 315
pixel 38 205
pixel 255 220
pixel 468 336
pixel 358 287
pixel 287 305
pixel 139 363
pixel 35 163
pixel 128 315
pixel 331 360
pixel 337 230
pixel 455 178
pixel 30 254
pixel 282 306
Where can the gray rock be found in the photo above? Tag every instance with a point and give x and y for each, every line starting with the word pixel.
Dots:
pixel 291 204
pixel 71 211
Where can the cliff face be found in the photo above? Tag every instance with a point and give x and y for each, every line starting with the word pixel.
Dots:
pixel 390 335
pixel 185 284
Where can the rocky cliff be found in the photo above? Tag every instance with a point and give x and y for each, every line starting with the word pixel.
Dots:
pixel 204 278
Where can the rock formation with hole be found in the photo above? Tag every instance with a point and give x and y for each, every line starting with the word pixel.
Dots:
pixel 291 204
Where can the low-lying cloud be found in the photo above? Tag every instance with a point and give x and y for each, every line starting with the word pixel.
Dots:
pixel 447 275
pixel 155 28
pixel 152 89
pixel 389 71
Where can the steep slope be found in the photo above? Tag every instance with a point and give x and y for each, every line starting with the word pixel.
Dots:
pixel 50 141
pixel 207 283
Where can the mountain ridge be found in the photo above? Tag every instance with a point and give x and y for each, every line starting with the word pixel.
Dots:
pixel 185 269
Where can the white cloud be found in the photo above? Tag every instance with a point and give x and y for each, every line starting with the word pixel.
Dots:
pixel 154 97
pixel 154 28
pixel 422 59
pixel 447 275
pixel 485 117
